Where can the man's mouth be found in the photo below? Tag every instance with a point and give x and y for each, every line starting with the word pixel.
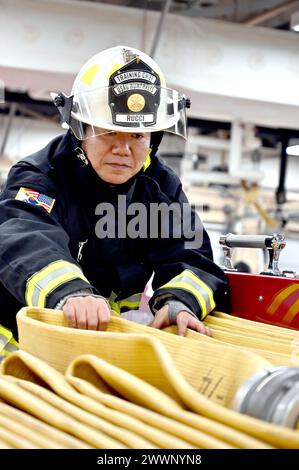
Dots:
pixel 119 166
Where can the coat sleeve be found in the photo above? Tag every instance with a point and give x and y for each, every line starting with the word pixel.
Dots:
pixel 36 265
pixel 183 263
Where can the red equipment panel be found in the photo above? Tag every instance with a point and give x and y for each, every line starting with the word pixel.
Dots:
pixel 266 299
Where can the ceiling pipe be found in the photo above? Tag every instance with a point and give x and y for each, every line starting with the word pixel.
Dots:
pixel 37 115
pixel 262 17
pixel 7 128
pixel 159 28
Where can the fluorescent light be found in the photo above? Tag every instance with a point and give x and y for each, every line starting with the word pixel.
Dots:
pixel 295 21
pixel 293 150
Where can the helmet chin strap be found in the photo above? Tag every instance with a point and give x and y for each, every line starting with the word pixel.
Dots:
pixel 156 138
pixel 155 141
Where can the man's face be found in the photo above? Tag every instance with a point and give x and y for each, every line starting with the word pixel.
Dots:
pixel 117 156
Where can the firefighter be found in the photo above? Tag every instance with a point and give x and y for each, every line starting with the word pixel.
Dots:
pixel 69 236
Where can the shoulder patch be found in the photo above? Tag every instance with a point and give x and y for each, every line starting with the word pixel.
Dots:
pixel 35 198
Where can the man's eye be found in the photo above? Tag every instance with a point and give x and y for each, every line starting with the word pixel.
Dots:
pixel 137 136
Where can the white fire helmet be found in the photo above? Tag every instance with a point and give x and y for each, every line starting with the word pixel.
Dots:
pixel 121 89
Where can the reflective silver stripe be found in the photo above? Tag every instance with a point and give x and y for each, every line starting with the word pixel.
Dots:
pixel 131 302
pixel 5 334
pixel 45 281
pixel 49 278
pixel 5 337
pixel 133 299
pixel 3 342
pixel 190 282
pixel 7 342
pixel 186 279
pixel 11 347
pixel 112 297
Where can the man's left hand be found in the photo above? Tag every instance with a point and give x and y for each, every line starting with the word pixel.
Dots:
pixel 184 320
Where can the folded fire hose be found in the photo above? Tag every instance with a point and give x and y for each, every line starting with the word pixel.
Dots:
pixel 155 388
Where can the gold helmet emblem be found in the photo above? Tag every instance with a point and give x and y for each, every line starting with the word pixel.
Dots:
pixel 136 102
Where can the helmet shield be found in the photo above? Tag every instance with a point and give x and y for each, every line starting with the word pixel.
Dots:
pixel 135 109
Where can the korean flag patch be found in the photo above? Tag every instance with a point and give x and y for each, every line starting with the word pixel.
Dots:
pixel 35 198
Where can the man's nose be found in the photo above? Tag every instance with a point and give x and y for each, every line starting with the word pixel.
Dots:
pixel 121 145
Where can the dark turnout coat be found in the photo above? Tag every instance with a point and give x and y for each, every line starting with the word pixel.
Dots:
pixel 51 237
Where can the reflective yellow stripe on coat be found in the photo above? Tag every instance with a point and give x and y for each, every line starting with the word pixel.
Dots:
pixel 48 279
pixel 130 303
pixel 7 342
pixel 189 282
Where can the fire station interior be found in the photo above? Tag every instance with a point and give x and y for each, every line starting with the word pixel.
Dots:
pixel 238 62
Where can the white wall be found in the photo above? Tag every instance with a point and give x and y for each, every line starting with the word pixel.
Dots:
pixel 27 135
pixel 230 71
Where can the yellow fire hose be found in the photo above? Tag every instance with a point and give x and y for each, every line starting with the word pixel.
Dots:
pixel 53 437
pixel 24 365
pixel 190 378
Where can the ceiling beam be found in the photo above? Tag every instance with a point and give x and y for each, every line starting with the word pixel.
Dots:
pixel 275 11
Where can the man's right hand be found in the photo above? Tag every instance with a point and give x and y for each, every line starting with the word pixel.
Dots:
pixel 87 313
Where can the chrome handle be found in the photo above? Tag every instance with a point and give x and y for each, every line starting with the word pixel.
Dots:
pixel 273 243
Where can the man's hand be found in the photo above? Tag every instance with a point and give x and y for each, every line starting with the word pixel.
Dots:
pixel 87 313
pixel 184 320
